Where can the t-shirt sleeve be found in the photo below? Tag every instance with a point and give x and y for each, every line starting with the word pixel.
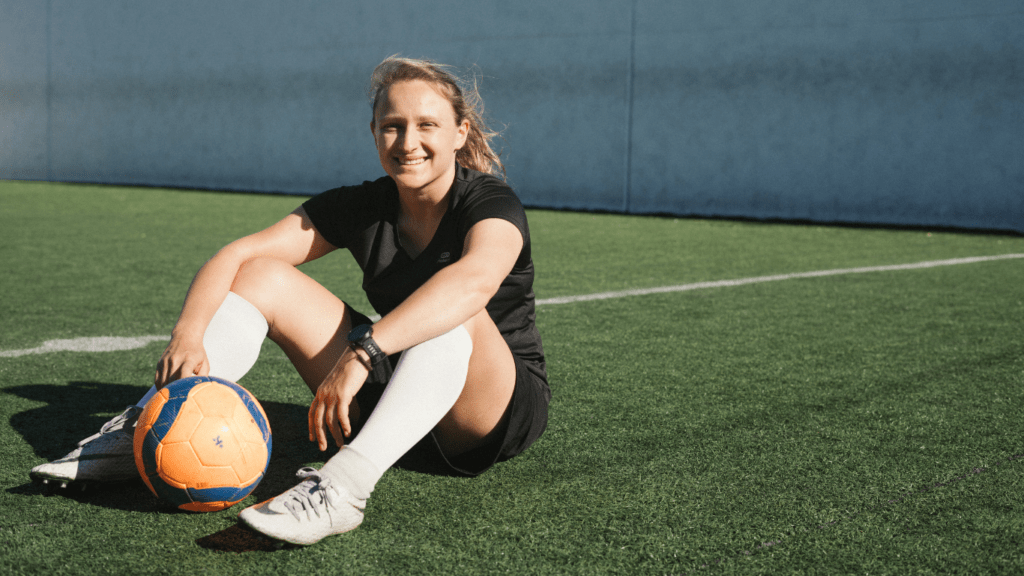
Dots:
pixel 494 200
pixel 340 214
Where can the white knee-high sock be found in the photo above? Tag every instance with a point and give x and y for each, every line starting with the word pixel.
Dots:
pixel 232 340
pixel 425 385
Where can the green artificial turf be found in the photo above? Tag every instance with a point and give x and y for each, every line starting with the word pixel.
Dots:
pixel 861 423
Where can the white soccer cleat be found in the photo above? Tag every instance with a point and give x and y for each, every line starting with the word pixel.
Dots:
pixel 314 509
pixel 107 456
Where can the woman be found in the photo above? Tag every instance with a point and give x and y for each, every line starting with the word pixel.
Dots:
pixel 445 252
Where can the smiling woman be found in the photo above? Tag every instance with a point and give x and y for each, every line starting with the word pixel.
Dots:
pixel 465 102
pixel 453 374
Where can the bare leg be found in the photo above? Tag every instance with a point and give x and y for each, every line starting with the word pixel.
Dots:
pixel 305 319
pixel 477 415
pixel 310 324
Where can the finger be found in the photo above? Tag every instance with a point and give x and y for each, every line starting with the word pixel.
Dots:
pixel 166 374
pixel 161 372
pixel 334 425
pixel 312 414
pixel 318 425
pixel 188 367
pixel 346 424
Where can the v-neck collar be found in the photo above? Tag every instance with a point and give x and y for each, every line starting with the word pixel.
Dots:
pixel 452 199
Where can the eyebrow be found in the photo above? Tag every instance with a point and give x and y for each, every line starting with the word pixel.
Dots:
pixel 392 117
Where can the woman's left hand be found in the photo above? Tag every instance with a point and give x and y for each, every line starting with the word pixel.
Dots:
pixel 330 409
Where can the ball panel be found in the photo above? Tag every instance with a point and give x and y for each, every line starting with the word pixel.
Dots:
pixel 146 447
pixel 178 464
pixel 144 452
pixel 151 411
pixel 214 477
pixel 213 400
pixel 253 462
pixel 177 393
pixel 214 442
pixel 186 420
pixel 174 494
pixel 221 493
pixel 254 408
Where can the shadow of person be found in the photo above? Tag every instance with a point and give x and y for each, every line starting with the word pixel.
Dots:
pixel 71 412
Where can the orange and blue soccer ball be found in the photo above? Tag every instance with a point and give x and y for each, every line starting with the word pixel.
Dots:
pixel 202 443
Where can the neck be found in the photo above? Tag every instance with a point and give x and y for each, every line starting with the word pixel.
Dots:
pixel 422 208
pixel 429 203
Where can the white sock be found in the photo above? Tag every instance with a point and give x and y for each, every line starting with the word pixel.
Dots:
pixel 232 340
pixel 427 381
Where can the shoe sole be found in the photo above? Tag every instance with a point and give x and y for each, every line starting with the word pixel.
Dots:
pixel 60 483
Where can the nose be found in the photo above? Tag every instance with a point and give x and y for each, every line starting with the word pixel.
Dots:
pixel 408 140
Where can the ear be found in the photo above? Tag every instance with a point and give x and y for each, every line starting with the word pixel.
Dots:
pixel 373 130
pixel 462 134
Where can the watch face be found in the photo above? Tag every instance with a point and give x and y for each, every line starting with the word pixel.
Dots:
pixel 359 332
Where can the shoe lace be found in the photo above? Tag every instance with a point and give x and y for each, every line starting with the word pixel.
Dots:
pixel 119 422
pixel 312 494
pixel 130 413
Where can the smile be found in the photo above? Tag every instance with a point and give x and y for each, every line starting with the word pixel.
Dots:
pixel 412 162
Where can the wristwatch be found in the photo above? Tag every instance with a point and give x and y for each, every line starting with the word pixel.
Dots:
pixel 361 337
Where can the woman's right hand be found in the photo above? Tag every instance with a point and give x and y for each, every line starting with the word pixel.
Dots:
pixel 182 358
pixel 333 407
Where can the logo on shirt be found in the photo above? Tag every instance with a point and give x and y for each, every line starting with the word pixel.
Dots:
pixel 444 258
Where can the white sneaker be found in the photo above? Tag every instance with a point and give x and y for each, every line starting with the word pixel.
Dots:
pixel 107 456
pixel 308 512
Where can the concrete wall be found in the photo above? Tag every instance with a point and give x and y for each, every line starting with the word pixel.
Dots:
pixel 871 111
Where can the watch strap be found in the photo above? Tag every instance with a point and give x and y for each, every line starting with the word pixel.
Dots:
pixel 362 337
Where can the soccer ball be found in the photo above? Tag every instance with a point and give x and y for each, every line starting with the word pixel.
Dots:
pixel 202 443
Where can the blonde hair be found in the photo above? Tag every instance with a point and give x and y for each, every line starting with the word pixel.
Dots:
pixel 477 153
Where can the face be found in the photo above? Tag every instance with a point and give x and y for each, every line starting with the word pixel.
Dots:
pixel 417 137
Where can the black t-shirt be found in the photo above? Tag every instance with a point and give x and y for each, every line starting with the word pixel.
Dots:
pixel 363 219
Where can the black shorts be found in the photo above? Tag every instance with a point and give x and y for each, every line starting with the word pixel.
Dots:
pixel 528 417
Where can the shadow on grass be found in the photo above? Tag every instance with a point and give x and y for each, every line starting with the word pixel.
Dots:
pixel 72 412
pixel 240 539
pixel 78 409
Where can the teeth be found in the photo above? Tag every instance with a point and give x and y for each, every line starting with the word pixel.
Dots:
pixel 412 162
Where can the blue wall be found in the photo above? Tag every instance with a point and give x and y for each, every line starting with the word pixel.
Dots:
pixel 870 111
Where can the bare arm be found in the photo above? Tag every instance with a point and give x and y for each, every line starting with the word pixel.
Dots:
pixel 293 239
pixel 457 292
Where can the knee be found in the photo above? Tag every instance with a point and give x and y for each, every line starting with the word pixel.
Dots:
pixel 261 279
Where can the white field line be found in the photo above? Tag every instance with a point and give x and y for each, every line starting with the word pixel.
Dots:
pixel 759 279
pixel 116 343
pixel 85 344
